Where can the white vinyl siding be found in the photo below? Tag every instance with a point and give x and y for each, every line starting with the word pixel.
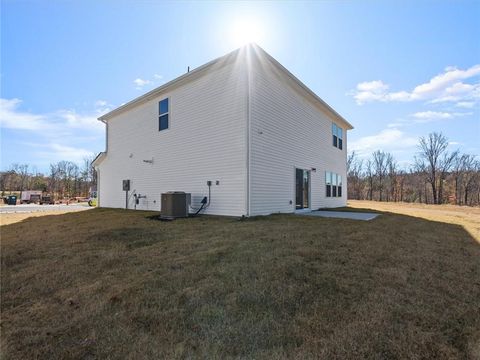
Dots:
pixel 206 140
pixel 247 127
pixel 288 131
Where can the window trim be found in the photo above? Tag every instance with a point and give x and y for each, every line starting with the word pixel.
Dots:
pixel 333 185
pixel 328 184
pixel 337 141
pixel 334 135
pixel 165 113
pixel 339 186
pixel 340 138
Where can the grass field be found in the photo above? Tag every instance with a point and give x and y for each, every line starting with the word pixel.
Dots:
pixel 115 284
pixel 466 216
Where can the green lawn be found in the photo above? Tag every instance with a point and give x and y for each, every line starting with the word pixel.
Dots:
pixel 115 284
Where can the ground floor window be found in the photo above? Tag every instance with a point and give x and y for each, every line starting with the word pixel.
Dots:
pixel 333 184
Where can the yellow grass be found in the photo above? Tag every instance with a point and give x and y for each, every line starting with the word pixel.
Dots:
pixel 466 216
pixel 11 218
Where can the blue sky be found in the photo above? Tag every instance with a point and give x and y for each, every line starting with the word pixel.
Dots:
pixel 396 70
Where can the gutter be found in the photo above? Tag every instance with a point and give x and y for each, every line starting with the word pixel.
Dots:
pixel 106 132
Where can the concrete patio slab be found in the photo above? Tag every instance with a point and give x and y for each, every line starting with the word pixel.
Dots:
pixel 341 214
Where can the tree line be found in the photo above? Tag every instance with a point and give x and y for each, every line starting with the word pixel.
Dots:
pixel 437 175
pixel 64 180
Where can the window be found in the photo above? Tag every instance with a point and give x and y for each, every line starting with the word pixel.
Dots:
pixel 334 133
pixel 339 186
pixel 340 137
pixel 163 115
pixel 337 136
pixel 333 184
pixel 328 182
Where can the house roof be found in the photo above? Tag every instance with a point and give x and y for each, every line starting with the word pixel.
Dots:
pixel 98 159
pixel 226 58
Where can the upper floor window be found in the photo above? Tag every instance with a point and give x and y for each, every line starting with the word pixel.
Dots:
pixel 163 115
pixel 337 135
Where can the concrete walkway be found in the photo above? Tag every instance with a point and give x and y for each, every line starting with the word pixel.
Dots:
pixel 341 214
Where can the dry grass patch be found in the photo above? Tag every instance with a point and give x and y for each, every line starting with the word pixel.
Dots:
pixel 466 216
pixel 118 285
pixel 12 218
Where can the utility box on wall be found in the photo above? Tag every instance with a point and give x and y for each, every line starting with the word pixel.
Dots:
pixel 175 204
pixel 126 185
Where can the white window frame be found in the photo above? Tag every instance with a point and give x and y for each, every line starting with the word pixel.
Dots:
pixel 165 113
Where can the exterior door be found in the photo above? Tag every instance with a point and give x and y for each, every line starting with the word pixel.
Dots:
pixel 302 186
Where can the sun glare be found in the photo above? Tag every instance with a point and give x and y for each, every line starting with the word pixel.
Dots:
pixel 245 31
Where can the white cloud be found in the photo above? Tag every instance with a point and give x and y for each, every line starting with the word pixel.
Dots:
pixel 370 91
pixel 443 82
pixel 74 120
pixel 396 124
pixel 447 86
pixel 390 139
pixel 11 118
pixel 374 86
pixel 465 104
pixel 54 152
pixel 64 134
pixel 140 83
pixel 100 103
pixel 429 116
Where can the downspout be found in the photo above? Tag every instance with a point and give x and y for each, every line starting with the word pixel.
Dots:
pixel 106 133
pixel 98 171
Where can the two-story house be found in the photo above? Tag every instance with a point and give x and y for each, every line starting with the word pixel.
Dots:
pixel 240 129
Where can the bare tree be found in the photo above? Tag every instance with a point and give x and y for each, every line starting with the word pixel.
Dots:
pixel 54 179
pixel 401 174
pixel 446 163
pixel 380 164
pixel 470 178
pixel 435 161
pixel 354 173
pixel 88 174
pixel 461 164
pixel 392 178
pixel 369 175
pixel 436 176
